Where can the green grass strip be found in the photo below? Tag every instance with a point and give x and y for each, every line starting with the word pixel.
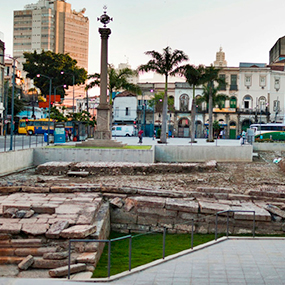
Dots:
pixel 145 248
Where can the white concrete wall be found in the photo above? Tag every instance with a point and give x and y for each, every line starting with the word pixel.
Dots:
pixel 269 147
pixel 179 153
pixel 42 155
pixel 15 160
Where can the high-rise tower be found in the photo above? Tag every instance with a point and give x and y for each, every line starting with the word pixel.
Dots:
pixel 51 25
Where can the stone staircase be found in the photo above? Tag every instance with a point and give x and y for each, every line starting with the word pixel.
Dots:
pixel 45 255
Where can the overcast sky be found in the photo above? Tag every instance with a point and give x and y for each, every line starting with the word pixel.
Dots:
pixel 245 29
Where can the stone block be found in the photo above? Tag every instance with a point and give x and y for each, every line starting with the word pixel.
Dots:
pixel 26 262
pixel 41 263
pixel 10 228
pixel 150 220
pixel 25 243
pixel 63 271
pixel 34 251
pixel 9 189
pixel 30 189
pixel 17 205
pixel 35 229
pixel 119 216
pixel 181 205
pixel 56 255
pixel 184 228
pixel 41 209
pixel 160 212
pixel 87 257
pixel 212 208
pixel 78 231
pixel 129 205
pixel 154 202
pixel 117 202
pixel 56 228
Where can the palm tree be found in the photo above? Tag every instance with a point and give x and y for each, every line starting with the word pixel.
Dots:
pixel 212 77
pixel 117 80
pixel 195 76
pixel 165 63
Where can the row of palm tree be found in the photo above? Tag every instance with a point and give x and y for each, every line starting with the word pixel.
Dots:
pixel 168 63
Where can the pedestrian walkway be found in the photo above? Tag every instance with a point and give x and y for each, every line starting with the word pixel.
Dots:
pixel 232 261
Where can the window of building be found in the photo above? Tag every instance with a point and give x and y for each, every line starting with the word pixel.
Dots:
pixel 248 80
pixel 233 85
pixel 233 102
pixel 223 77
pixel 262 103
pixel 277 83
pixel 117 112
pixel 262 81
pixel 247 102
pixel 276 105
pixel 127 111
pixel 184 103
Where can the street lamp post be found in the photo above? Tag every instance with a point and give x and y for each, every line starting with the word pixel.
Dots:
pixel 54 91
pixel 12 104
pixel 50 84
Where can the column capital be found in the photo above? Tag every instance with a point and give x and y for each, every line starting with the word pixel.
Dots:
pixel 104 32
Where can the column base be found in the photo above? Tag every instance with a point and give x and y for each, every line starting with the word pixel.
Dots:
pixel 102 135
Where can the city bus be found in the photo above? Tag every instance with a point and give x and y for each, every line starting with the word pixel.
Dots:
pixel 272 131
pixel 39 126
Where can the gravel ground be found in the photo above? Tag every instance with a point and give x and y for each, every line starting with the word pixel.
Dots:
pixel 259 174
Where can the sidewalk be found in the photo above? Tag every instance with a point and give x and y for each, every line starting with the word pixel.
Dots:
pixel 233 261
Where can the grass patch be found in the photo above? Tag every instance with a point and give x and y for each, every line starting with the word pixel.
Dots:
pixel 97 147
pixel 145 249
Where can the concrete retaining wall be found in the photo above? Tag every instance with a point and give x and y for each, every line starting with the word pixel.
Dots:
pixel 269 146
pixel 43 155
pixel 15 160
pixel 194 153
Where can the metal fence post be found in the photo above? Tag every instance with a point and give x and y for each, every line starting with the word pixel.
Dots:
pixel 109 258
pixel 216 226
pixel 30 139
pixel 164 235
pixel 15 137
pixel 22 142
pixel 5 143
pixel 253 232
pixel 130 253
pixel 69 245
pixel 192 233
pixel 227 224
pixel 36 140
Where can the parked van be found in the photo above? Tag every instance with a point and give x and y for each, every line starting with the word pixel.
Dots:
pixel 123 131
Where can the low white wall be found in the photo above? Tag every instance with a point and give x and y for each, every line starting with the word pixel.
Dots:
pixel 15 160
pixel 194 153
pixel 42 155
pixel 269 147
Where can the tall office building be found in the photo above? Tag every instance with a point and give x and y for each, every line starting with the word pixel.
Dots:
pixel 51 25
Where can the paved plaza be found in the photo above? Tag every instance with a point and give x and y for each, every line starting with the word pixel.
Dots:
pixel 233 261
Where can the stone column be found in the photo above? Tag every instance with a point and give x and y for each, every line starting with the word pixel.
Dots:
pixel 103 110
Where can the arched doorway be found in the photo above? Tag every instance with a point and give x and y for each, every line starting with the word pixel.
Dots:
pixel 233 130
pixel 199 129
pixel 183 128
pixel 245 124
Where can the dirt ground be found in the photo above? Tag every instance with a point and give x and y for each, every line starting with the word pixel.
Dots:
pixel 261 174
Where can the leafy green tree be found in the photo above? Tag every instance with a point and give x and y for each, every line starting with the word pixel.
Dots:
pixel 60 67
pixel 212 79
pixel 195 76
pixel 83 116
pixel 117 80
pixel 165 63
pixel 157 102
pixel 55 114
pixel 19 104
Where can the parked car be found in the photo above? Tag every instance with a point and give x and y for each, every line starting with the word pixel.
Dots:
pixel 123 131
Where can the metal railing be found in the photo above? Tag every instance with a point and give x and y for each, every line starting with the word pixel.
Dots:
pixel 130 237
pixel 21 142
pixel 233 211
